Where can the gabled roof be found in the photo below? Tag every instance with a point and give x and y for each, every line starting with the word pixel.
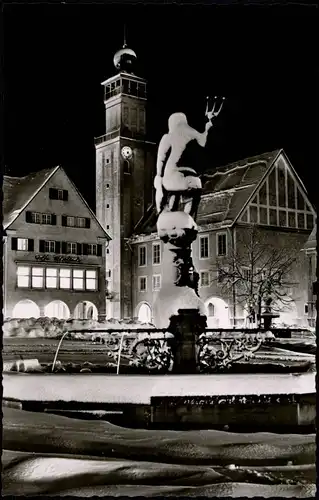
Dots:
pixel 226 190
pixel 18 192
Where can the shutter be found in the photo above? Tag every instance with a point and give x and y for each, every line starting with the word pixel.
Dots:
pixel 64 220
pixel 63 246
pixel 87 223
pixel 57 247
pixel 65 195
pixel 14 243
pixel 53 219
pixel 41 246
pixel 84 248
pixel 99 250
pixel 28 216
pixel 53 194
pixel 79 249
pixel 31 245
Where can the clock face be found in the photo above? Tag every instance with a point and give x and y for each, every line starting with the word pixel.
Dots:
pixel 127 152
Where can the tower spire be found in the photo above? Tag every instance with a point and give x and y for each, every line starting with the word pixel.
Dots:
pixel 124 37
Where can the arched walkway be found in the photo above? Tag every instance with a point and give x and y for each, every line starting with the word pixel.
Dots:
pixel 57 309
pixel 26 309
pixel 144 312
pixel 217 313
pixel 86 310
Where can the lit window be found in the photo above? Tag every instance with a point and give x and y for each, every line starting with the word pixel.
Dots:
pixel 37 277
pixel 204 278
pixel 51 278
pixel 65 278
pixel 49 246
pixel 142 256
pixel 71 248
pixel 156 253
pixel 46 219
pixel 203 248
pixel 221 244
pixel 92 249
pixel 23 275
pixel 22 244
pixel 80 222
pixel 156 282
pixel 91 280
pixel 78 279
pixel 70 221
pixel 142 283
pixel 36 217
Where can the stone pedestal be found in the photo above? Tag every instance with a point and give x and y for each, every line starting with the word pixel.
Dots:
pixel 186 326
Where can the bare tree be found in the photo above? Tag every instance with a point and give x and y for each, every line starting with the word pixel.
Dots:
pixel 257 273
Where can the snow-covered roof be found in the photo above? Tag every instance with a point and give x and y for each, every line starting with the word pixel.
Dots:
pixel 19 191
pixel 225 191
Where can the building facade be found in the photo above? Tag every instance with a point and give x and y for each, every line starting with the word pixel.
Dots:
pixel 54 249
pixel 264 191
pixel 311 256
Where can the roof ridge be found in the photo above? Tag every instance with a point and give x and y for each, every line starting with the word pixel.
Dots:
pixel 219 169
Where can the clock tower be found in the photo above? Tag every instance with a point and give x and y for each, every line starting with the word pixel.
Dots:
pixel 125 166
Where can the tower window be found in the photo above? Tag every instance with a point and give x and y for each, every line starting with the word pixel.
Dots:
pixel 107 205
pixel 142 283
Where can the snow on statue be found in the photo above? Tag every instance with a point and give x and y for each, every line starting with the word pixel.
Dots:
pixel 178 191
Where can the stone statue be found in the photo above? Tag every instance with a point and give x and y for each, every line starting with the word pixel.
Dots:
pixel 178 191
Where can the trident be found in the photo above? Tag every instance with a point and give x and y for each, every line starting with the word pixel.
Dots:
pixel 212 114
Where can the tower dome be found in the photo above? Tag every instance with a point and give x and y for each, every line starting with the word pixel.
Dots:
pixel 124 59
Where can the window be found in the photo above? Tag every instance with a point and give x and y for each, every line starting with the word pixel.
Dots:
pixel 46 219
pixel 58 194
pixel 22 244
pixel 78 279
pixel 272 217
pixel 81 222
pixel 142 283
pixel 65 278
pixel 92 249
pixel 91 280
pixel 37 277
pixel 222 274
pixel 23 276
pixel 221 244
pixel 49 246
pixel 51 278
pixel 142 256
pixel 71 248
pixel 306 308
pixel 36 218
pixel 156 282
pixel 204 278
pixel 263 215
pixel 253 214
pixel 39 218
pixel 203 247
pixel 70 221
pixel 156 253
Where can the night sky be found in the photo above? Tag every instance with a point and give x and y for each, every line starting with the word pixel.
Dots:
pixel 263 60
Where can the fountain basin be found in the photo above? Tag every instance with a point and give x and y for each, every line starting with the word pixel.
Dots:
pixel 172 400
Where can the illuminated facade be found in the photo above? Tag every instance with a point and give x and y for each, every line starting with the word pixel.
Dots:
pixel 54 249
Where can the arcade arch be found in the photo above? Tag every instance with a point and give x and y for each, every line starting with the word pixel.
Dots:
pixel 144 312
pixel 26 309
pixel 86 310
pixel 57 309
pixel 217 312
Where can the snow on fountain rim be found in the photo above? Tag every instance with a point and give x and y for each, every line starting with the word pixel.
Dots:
pixel 138 389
